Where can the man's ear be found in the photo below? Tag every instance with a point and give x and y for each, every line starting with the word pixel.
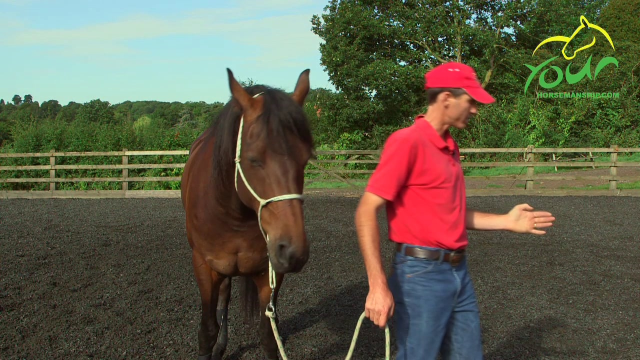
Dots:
pixel 446 98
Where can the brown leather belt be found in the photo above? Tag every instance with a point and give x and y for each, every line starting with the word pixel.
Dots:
pixel 454 258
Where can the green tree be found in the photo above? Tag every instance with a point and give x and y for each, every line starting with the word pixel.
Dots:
pixel 68 113
pixel 51 108
pixel 376 53
pixel 186 118
pixel 621 19
pixel 17 100
pixel 96 111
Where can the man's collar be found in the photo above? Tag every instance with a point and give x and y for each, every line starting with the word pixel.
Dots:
pixel 433 136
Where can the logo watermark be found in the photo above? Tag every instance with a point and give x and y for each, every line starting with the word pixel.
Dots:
pixel 571 77
pixel 578 95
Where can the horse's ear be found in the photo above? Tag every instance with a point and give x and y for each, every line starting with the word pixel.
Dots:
pixel 302 88
pixel 584 21
pixel 239 93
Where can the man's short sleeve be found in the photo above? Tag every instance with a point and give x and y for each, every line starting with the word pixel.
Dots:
pixel 396 162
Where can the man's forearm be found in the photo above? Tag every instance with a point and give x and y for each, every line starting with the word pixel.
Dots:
pixel 477 220
pixel 369 241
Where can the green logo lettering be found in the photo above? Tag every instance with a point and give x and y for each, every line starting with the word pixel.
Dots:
pixel 571 78
pixel 586 71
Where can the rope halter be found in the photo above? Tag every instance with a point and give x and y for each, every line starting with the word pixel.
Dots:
pixel 263 203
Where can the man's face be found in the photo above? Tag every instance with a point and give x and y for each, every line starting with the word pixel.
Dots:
pixel 460 110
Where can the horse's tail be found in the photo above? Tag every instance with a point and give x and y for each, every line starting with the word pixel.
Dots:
pixel 249 300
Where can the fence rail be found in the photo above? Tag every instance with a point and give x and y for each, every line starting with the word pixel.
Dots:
pixel 328 166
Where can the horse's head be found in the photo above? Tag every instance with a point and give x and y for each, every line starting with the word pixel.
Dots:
pixel 273 147
pixel 571 43
pixel 584 24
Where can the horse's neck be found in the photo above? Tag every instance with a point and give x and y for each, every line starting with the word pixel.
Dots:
pixel 228 200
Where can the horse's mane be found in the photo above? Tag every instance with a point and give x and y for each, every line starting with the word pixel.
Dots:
pixel 280 115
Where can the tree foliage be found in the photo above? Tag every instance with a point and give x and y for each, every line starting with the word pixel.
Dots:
pixel 376 54
pixel 100 126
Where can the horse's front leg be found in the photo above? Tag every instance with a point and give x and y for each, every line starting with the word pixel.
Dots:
pixel 221 315
pixel 267 337
pixel 209 283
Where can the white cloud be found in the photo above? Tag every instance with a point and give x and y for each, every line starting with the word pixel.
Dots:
pixel 89 49
pixel 130 28
pixel 271 35
pixel 16 2
pixel 9 23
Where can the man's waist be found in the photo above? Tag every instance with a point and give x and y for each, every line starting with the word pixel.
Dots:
pixel 447 242
pixel 435 235
pixel 451 256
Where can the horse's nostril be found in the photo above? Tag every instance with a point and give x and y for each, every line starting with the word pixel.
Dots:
pixel 284 252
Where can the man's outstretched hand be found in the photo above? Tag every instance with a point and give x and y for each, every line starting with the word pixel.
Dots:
pixel 524 220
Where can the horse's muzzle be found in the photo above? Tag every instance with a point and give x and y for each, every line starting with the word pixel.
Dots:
pixel 289 258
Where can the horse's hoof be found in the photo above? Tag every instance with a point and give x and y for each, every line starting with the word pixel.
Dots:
pixel 217 354
pixel 204 357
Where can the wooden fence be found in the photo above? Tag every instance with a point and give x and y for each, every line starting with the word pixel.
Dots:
pixel 328 166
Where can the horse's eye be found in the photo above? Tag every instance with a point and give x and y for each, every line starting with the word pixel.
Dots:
pixel 255 162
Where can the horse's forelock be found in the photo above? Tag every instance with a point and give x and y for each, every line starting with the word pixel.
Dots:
pixel 280 115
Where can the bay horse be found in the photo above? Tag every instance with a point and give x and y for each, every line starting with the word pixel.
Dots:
pixel 241 191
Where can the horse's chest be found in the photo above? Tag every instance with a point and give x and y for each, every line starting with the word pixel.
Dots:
pixel 238 264
pixel 252 262
pixel 237 257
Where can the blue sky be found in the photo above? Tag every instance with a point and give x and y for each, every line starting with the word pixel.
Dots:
pixel 72 50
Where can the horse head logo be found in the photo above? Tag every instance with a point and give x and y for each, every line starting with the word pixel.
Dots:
pixel 584 24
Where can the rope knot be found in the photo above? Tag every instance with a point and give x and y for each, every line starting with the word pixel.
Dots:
pixel 270 311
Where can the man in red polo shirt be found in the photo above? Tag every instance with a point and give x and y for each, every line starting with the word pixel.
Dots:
pixel 420 182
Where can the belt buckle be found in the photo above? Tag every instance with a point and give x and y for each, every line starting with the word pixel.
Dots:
pixel 455 258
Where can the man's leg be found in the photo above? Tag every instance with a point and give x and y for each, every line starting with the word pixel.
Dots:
pixel 423 291
pixel 463 340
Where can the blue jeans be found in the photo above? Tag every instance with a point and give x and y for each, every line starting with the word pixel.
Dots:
pixel 436 310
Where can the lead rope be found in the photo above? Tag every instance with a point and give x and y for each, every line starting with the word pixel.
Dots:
pixel 270 310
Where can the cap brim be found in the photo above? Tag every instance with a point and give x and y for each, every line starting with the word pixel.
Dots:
pixel 480 95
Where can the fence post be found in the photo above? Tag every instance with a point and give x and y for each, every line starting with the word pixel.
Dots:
pixel 52 171
pixel 125 172
pixel 613 170
pixel 530 169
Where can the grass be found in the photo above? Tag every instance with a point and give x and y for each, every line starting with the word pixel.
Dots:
pixel 507 170
pixel 521 170
pixel 362 184
pixel 510 170
pixel 334 184
pixel 621 186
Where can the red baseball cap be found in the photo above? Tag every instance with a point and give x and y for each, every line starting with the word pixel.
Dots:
pixel 457 75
